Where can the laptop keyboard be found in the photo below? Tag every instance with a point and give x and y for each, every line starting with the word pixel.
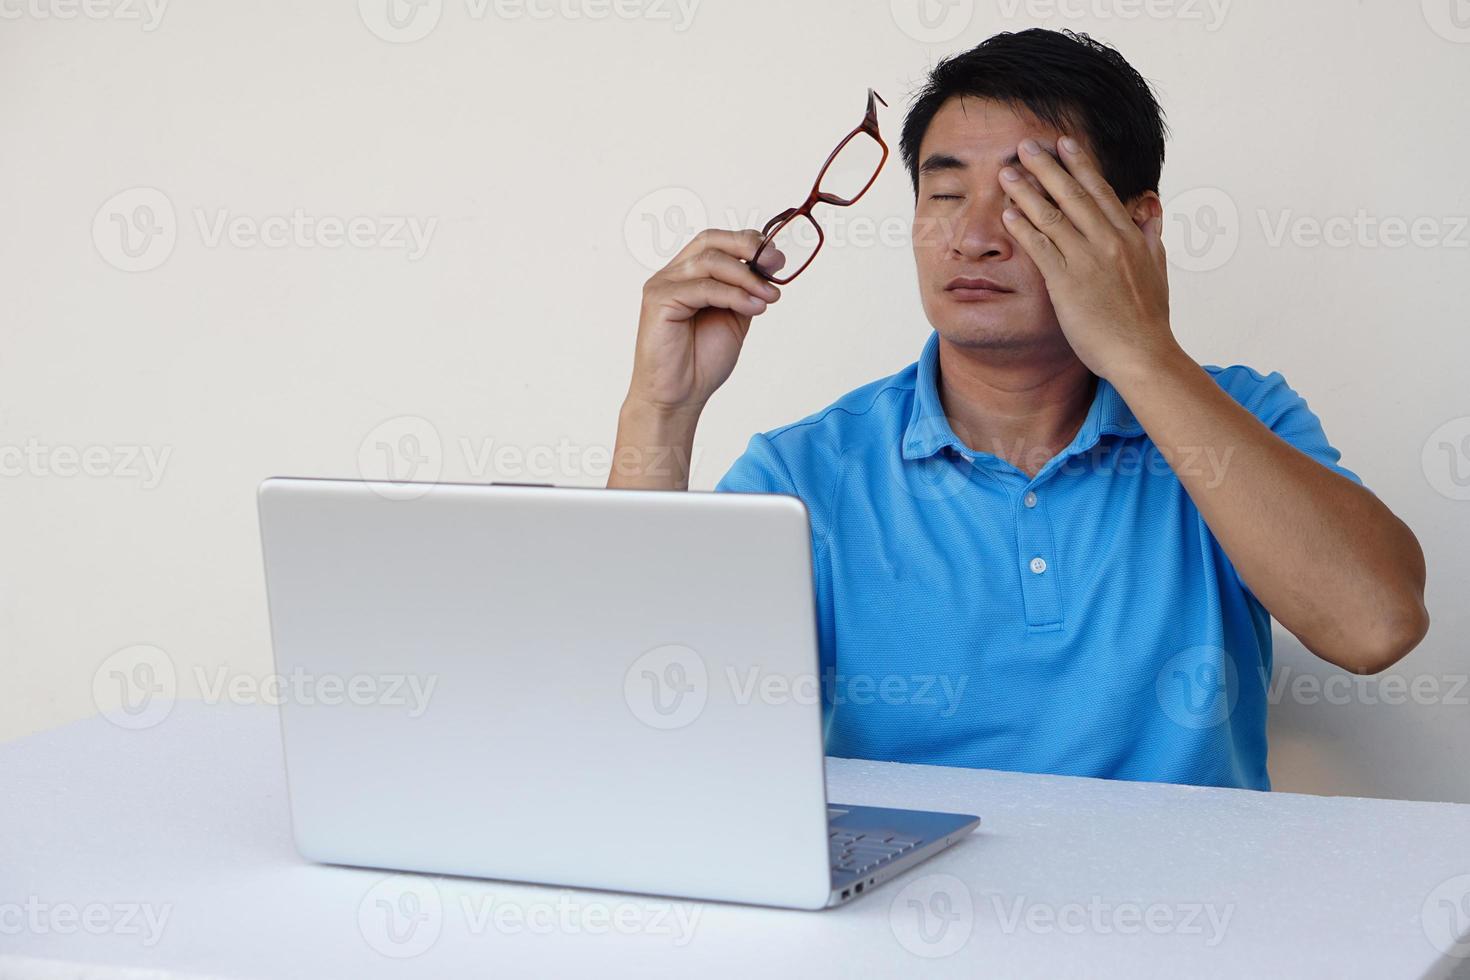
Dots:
pixel 862 851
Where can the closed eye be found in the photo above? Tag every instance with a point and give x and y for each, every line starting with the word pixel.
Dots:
pixel 944 197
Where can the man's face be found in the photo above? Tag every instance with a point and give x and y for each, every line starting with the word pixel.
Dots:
pixel 961 246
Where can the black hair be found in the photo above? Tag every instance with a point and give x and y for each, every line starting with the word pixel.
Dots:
pixel 1067 80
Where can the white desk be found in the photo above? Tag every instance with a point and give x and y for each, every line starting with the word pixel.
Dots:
pixel 187 822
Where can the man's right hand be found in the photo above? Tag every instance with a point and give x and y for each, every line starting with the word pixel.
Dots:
pixel 696 313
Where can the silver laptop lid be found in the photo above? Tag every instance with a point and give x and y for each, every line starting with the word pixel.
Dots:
pixel 606 689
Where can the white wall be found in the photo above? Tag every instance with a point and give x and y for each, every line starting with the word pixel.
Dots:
pixel 542 149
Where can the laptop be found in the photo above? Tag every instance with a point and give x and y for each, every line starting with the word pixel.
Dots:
pixel 605 689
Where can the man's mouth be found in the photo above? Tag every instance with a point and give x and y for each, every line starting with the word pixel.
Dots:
pixel 968 290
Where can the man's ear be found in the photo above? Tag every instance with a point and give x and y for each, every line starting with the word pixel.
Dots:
pixel 1146 209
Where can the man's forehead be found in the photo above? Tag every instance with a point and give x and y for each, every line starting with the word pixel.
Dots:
pixel 967 123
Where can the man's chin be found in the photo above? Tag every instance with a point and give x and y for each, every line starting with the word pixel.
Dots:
pixel 997 324
pixel 993 333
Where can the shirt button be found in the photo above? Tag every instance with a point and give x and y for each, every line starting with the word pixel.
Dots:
pixel 1038 565
pixel 1029 500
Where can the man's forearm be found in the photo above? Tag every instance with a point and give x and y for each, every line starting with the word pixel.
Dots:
pixel 654 448
pixel 1328 560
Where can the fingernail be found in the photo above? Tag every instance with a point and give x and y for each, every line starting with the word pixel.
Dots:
pixel 1070 145
pixel 1031 146
pixel 1011 214
pixel 1009 173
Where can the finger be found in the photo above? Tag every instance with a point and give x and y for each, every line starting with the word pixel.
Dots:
pixel 1075 201
pixel 1042 214
pixel 1041 248
pixel 715 264
pixel 769 261
pixel 693 295
pixel 741 244
pixel 1085 171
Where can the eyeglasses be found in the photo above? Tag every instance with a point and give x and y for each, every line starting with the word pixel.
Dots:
pixel 792 238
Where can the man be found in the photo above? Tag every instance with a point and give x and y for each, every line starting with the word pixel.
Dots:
pixel 1073 532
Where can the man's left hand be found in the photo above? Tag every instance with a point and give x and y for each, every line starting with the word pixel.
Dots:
pixel 1106 273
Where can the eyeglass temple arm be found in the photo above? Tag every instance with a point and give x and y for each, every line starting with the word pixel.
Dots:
pixel 870 121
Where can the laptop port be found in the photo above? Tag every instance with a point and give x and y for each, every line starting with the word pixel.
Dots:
pixel 847 893
pixel 859 888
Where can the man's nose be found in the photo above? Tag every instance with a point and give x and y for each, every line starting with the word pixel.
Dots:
pixel 979 231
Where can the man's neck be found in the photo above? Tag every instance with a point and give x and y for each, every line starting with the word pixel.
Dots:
pixel 1023 409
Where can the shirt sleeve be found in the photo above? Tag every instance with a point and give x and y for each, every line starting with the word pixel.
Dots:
pixel 758 470
pixel 1286 413
pixel 761 470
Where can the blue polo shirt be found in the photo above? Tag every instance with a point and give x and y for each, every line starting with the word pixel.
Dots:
pixel 1083 621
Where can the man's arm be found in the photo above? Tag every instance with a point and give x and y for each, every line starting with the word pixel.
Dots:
pixel 696 313
pixel 1325 557
pixel 1329 561
pixel 654 447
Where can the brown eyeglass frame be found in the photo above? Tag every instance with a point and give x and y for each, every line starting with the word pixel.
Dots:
pixel 869 127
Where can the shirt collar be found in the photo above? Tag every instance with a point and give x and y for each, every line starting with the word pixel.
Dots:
pixel 929 431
